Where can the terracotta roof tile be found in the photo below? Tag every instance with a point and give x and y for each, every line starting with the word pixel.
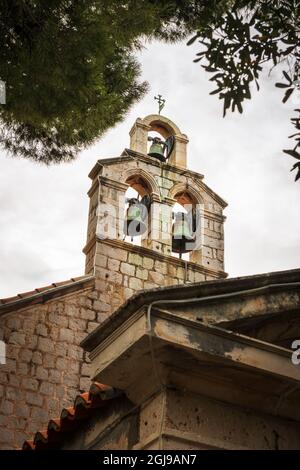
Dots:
pixel 70 417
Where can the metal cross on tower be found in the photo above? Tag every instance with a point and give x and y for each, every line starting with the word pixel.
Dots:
pixel 161 102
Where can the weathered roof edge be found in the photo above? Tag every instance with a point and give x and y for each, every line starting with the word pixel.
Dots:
pixel 84 405
pixel 43 294
pixel 186 291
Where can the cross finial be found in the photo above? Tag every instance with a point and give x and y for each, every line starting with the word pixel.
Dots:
pixel 161 102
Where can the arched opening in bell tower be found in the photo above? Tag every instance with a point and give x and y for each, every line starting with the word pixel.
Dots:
pixel 137 207
pixel 160 140
pixel 169 135
pixel 185 225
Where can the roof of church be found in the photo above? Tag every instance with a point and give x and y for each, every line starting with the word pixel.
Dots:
pixel 71 417
pixel 205 291
pixel 41 294
pixel 98 396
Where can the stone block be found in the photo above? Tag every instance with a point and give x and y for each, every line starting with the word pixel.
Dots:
pixel 17 338
pixel 45 345
pixel 46 388
pixel 55 376
pixel 128 269
pixel 85 384
pixel 41 330
pixel 41 373
pixel 14 323
pixel 85 370
pixel 34 399
pixel 76 324
pixel 92 326
pixel 135 259
pixel 22 410
pixel 49 360
pixel 25 355
pixel 12 393
pixel 7 407
pixel 7 436
pixel 128 292
pixel 30 384
pixel 39 414
pixel 67 335
pixel 87 314
pixel 112 252
pixel 135 284
pixel 148 263
pixel 28 325
pixel 22 368
pixel 161 267
pixel 113 265
pixel 150 285
pixel 101 260
pixel 71 380
pixel 31 341
pixel 142 274
pixel 156 278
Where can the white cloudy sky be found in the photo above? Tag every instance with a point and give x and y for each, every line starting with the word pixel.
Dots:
pixel 43 211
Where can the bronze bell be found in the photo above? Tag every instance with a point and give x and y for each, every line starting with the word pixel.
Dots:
pixel 181 234
pixel 157 148
pixel 136 217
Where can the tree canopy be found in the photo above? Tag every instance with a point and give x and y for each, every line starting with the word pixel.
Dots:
pixel 71 73
pixel 70 70
pixel 237 44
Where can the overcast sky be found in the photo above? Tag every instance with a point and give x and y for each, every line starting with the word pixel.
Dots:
pixel 43 211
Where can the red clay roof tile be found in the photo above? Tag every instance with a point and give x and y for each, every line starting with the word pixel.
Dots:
pixel 70 417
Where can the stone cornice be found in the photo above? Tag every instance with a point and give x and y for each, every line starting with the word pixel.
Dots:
pixel 109 183
pixel 129 154
pixel 143 251
pixel 181 138
pixel 213 216
pixel 114 184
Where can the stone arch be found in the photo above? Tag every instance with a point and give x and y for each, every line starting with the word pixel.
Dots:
pixel 191 195
pixel 162 125
pixel 166 128
pixel 132 177
pixel 194 194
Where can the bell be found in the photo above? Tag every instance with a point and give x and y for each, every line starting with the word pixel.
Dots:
pixel 157 149
pixel 181 234
pixel 136 216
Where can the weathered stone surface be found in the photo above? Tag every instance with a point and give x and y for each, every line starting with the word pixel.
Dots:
pixel 135 284
pixel 45 362
pixel 127 268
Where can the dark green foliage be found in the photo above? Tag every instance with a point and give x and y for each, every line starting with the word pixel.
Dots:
pixel 71 74
pixel 70 70
pixel 236 44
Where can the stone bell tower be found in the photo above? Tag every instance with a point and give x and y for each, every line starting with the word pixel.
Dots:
pixel 123 267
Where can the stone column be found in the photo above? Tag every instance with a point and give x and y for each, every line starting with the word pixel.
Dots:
pixel 160 222
pixel 139 136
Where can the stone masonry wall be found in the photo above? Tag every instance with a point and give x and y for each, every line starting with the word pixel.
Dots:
pixel 122 270
pixel 45 366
